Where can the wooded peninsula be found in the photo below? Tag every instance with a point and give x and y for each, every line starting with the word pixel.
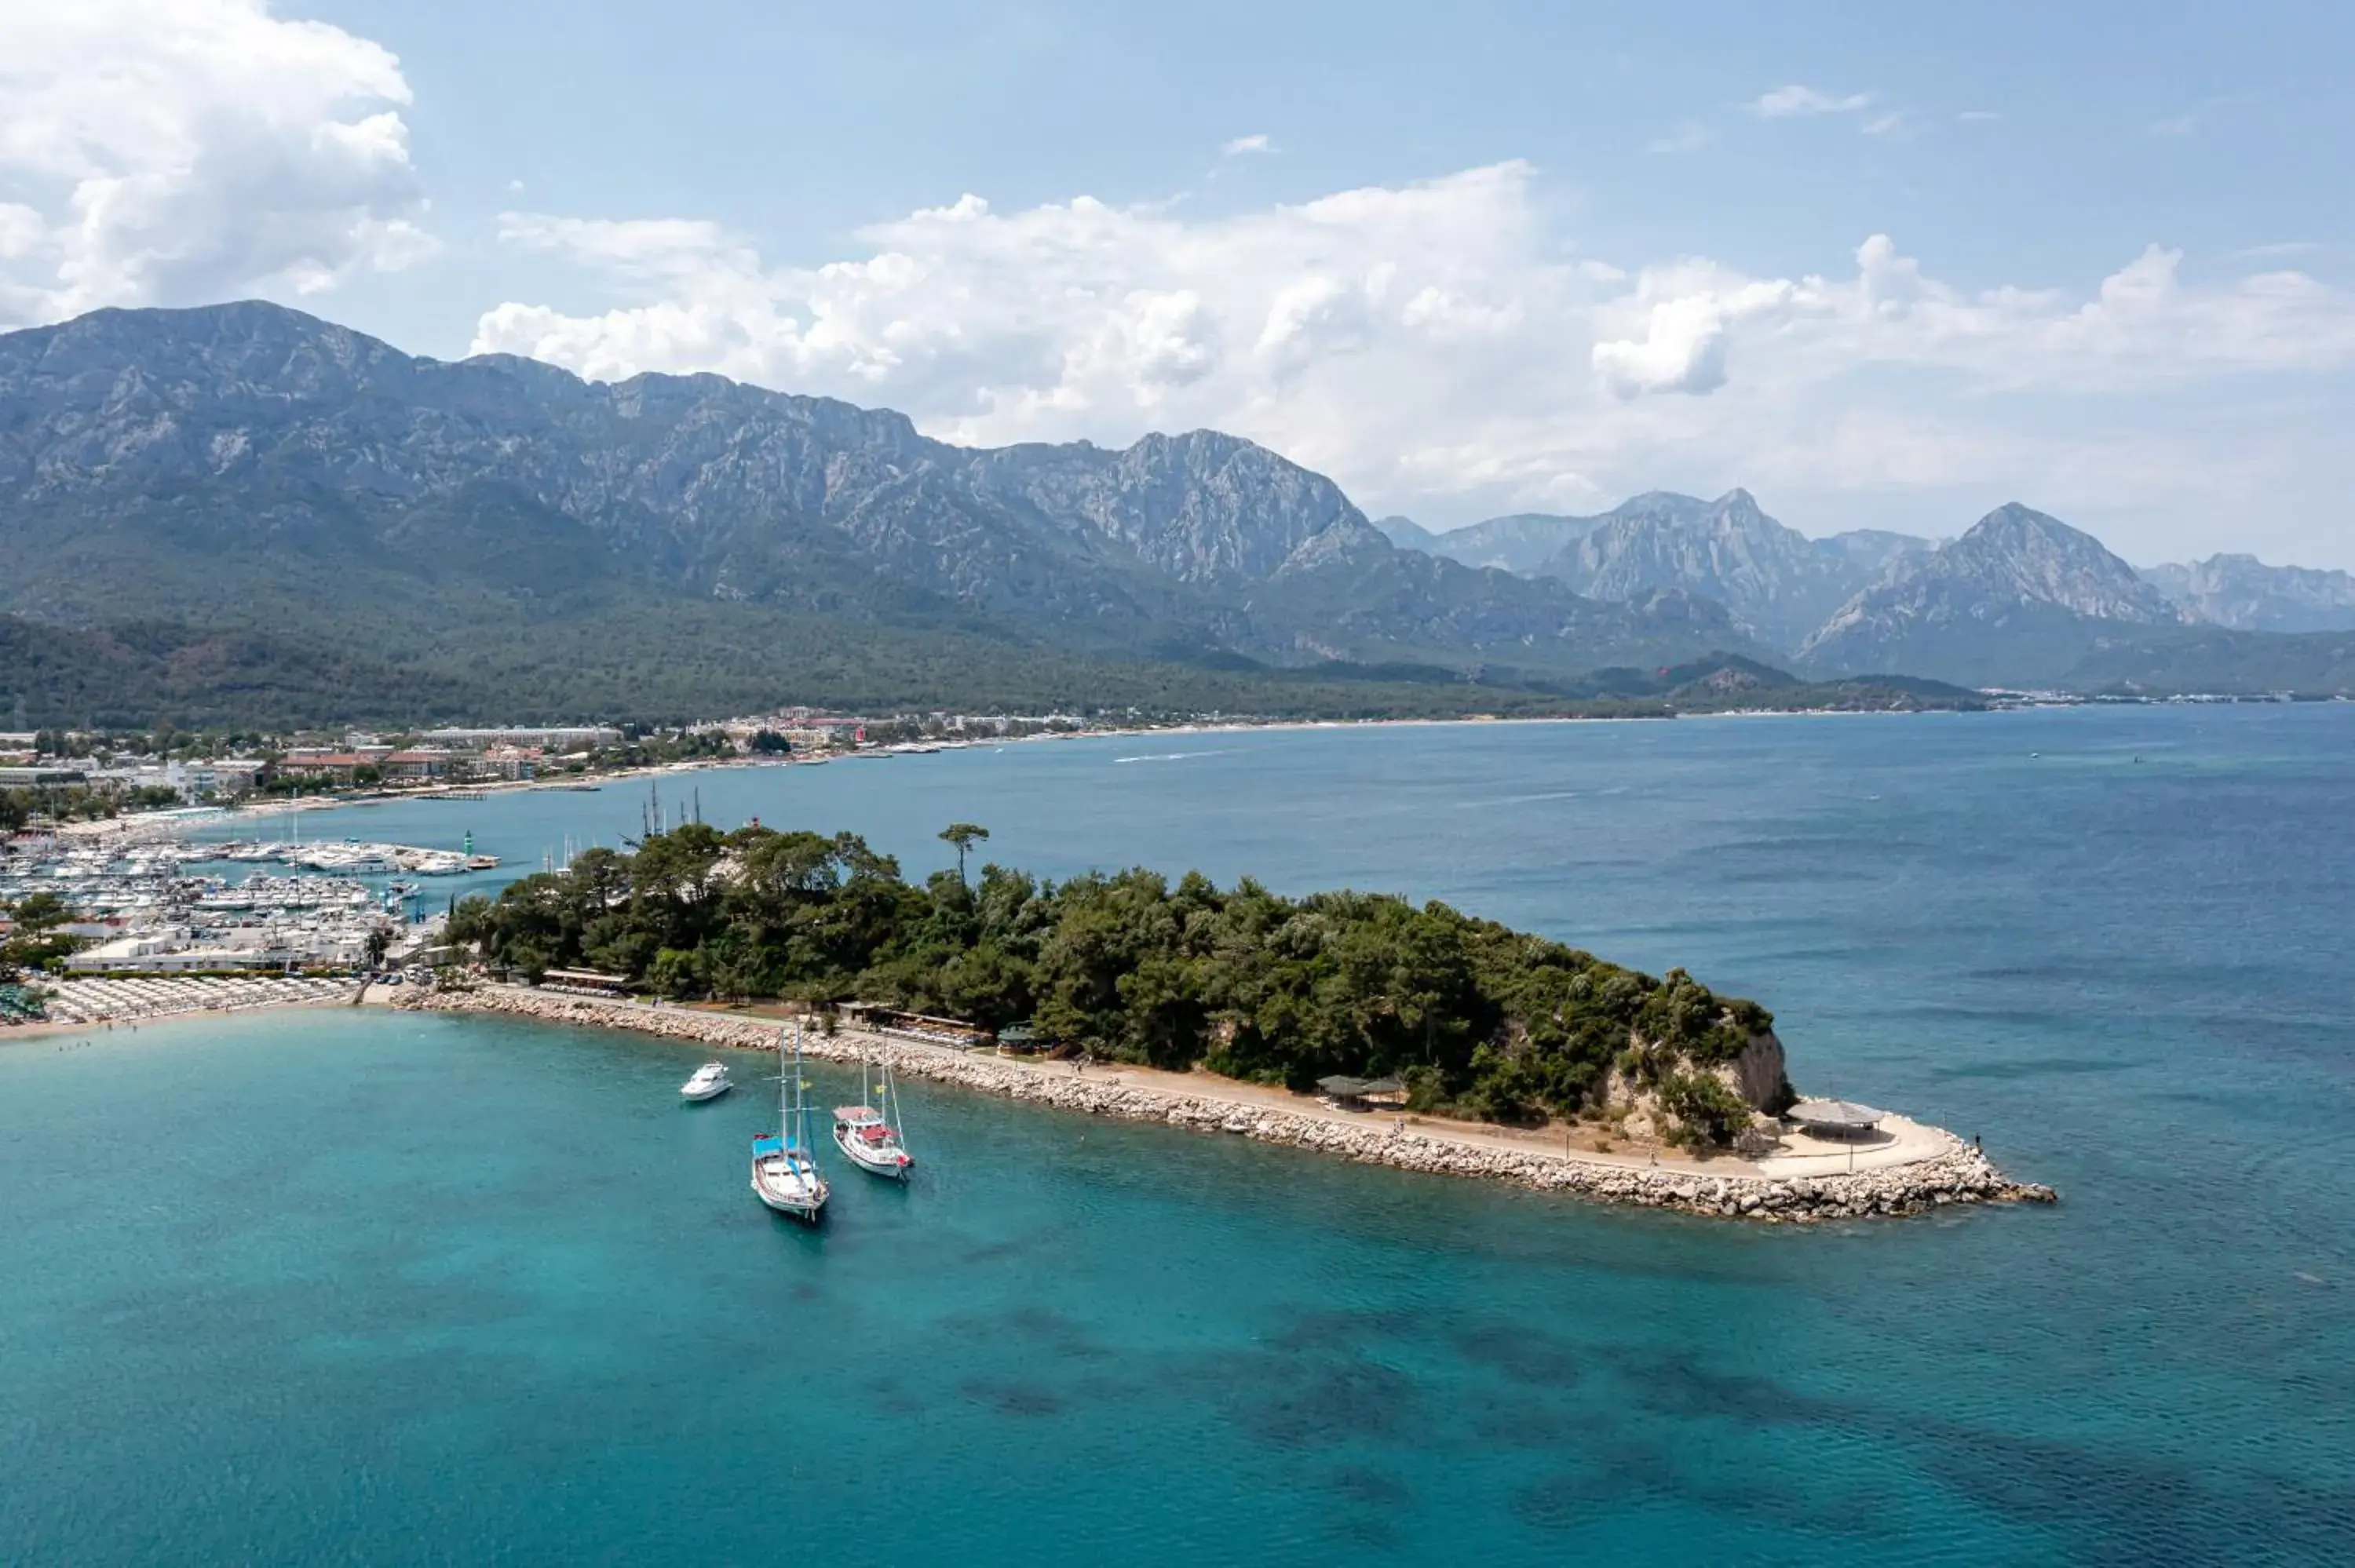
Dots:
pixel 1476 1019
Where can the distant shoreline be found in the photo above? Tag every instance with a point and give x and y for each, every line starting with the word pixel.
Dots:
pixel 251 809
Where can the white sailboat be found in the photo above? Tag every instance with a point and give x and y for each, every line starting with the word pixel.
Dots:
pixel 869 1137
pixel 784 1173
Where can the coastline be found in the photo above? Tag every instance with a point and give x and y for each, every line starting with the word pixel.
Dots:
pixel 146 825
pixel 50 1029
pixel 1939 1169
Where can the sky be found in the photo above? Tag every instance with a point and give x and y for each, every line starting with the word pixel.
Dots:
pixel 1884 266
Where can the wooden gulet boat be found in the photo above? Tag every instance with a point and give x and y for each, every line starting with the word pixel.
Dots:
pixel 871 1137
pixel 784 1171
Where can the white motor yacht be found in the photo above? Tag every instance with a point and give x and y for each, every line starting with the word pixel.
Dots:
pixel 710 1082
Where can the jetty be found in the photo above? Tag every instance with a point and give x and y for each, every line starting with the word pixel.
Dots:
pixel 1916 1169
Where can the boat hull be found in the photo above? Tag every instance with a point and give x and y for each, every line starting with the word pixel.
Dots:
pixel 802 1199
pixel 698 1097
pixel 894 1165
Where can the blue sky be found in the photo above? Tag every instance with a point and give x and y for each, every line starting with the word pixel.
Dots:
pixel 1884 266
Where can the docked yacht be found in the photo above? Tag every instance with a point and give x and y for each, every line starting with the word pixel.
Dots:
pixel 710 1082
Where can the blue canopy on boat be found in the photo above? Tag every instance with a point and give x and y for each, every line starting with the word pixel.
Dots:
pixel 766 1144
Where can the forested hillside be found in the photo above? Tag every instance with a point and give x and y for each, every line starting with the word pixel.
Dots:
pixel 1478 1019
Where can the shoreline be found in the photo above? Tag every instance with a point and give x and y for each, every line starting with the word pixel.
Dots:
pixel 1940 1170
pixel 183 820
pixel 50 1029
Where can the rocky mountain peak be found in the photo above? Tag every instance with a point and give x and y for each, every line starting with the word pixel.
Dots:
pixel 1775 582
pixel 2019 594
pixel 2241 591
pixel 2036 558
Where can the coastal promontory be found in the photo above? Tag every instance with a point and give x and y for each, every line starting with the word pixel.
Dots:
pixel 1280 1015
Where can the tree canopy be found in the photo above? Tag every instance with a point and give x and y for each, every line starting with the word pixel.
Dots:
pixel 1477 1018
pixel 36 938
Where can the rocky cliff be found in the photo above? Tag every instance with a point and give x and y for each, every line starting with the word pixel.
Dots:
pixel 1778 584
pixel 2243 593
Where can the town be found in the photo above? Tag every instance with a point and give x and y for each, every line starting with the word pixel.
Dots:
pixel 110 909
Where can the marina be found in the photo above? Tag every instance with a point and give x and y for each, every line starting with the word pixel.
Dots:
pixel 355 859
pixel 159 906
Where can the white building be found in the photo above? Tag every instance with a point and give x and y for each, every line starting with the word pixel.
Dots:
pixel 574 737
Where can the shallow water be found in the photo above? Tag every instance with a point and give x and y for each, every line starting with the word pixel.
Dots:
pixel 365 1287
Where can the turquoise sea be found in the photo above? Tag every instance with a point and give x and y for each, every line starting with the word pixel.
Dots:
pixel 325 1287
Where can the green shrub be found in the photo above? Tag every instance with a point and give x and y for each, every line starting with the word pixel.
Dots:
pixel 1707 1114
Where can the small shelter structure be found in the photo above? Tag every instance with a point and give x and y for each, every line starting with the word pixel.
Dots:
pixel 922 1027
pixel 1835 1118
pixel 1362 1094
pixel 585 982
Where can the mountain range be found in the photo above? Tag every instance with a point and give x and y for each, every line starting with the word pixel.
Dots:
pixel 1771 575
pixel 244 499
pixel 2243 593
pixel 248 467
pixel 2022 599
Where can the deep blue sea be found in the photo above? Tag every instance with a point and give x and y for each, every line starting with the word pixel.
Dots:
pixel 329 1286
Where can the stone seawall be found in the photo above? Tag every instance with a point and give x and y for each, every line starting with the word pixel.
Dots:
pixel 1959 1174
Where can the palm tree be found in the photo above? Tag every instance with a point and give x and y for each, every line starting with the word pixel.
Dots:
pixel 964 835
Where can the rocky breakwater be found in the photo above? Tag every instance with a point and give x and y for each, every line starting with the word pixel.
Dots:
pixel 1956 1173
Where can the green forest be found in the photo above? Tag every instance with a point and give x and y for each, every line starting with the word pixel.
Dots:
pixel 1477 1018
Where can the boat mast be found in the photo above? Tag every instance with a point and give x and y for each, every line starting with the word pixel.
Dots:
pixel 785 1117
pixel 807 1162
pixel 891 1108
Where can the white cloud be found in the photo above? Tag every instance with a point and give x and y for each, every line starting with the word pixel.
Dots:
pixel 1684 343
pixel 1798 102
pixel 1795 101
pixel 177 151
pixel 1242 144
pixel 1437 348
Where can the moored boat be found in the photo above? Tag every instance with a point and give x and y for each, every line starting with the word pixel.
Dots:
pixel 784 1173
pixel 710 1081
pixel 869 1139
